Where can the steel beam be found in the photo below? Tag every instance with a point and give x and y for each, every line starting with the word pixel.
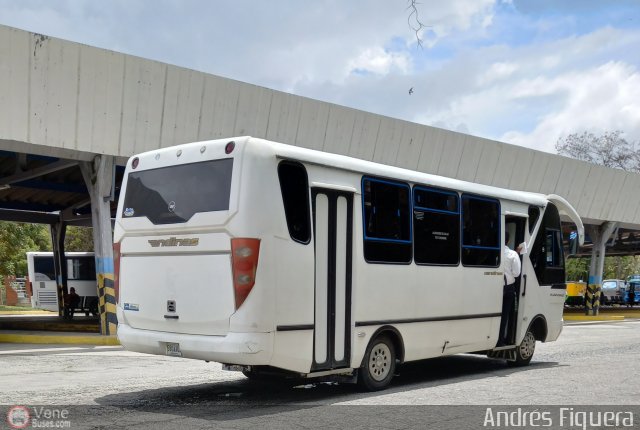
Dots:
pixel 28 216
pixel 37 172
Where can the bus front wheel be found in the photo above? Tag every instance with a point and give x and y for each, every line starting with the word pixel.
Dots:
pixel 379 364
pixel 524 351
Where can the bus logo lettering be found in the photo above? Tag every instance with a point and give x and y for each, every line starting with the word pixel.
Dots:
pixel 172 241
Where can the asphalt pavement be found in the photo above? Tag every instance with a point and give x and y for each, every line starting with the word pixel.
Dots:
pixel 105 386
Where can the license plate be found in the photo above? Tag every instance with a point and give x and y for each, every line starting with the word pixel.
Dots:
pixel 174 349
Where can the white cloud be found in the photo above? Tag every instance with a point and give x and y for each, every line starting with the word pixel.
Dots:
pixel 601 99
pixel 377 60
pixel 497 71
pixel 362 54
pixel 275 44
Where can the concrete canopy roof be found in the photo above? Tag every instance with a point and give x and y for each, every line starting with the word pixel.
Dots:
pixel 62 98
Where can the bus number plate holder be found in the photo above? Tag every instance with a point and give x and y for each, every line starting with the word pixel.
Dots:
pixel 173 349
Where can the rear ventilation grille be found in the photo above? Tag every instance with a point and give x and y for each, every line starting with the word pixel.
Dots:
pixel 171 305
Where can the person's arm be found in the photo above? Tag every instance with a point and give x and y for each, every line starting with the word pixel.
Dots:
pixel 516 267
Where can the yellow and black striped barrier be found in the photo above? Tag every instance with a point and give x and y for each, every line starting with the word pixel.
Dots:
pixel 107 297
pixel 592 299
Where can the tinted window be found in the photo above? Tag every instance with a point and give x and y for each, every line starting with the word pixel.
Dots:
pixel 481 231
pixel 174 194
pixel 546 252
pixel 81 268
pixel 295 197
pixel 534 214
pixel 43 266
pixel 553 248
pixel 436 226
pixel 387 221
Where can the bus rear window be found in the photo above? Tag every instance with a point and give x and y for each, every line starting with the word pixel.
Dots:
pixel 174 194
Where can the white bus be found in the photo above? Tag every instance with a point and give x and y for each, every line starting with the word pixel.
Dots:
pixel 273 258
pixel 81 274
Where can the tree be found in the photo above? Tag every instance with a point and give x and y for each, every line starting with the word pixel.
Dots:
pixel 78 239
pixel 610 149
pixel 577 269
pixel 16 239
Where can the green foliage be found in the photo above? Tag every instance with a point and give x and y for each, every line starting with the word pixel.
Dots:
pixel 577 269
pixel 16 239
pixel 78 239
pixel 621 267
pixel 614 268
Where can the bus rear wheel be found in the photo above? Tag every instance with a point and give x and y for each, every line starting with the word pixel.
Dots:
pixel 524 351
pixel 379 364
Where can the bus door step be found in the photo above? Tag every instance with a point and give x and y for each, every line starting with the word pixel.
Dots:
pixel 505 354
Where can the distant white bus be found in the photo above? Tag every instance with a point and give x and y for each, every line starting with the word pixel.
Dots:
pixel 271 258
pixel 81 274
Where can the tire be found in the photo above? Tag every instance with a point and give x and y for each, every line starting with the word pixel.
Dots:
pixel 525 351
pixel 379 364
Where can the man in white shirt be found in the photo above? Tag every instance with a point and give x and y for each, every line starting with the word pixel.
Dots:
pixel 512 267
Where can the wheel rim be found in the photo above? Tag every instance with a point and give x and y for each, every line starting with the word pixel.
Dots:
pixel 380 362
pixel 528 346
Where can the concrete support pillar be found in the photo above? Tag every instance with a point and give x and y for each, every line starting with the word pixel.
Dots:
pixel 99 176
pixel 599 237
pixel 58 233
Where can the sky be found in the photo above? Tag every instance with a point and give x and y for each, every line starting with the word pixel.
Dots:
pixel 526 72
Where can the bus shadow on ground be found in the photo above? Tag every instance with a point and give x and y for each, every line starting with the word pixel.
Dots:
pixel 242 398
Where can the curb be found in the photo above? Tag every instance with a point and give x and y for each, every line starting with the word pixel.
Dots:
pixel 34 313
pixel 593 318
pixel 58 339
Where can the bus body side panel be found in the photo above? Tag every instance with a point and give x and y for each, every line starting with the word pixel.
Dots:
pixel 294 315
pixel 435 297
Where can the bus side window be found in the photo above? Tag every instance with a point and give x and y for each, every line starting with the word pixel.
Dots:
pixel 294 186
pixel 81 268
pixel 386 214
pixel 436 224
pixel 481 231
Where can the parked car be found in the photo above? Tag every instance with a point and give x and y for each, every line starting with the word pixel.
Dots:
pixel 635 278
pixel 633 284
pixel 613 291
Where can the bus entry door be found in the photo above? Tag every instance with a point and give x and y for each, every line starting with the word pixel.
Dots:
pixel 333 239
pixel 515 226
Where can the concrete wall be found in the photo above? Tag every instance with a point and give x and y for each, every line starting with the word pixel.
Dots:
pixel 64 95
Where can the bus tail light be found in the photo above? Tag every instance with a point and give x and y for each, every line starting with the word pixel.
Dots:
pixel 116 270
pixel 244 263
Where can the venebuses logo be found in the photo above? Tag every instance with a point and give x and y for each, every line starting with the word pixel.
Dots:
pixel 18 417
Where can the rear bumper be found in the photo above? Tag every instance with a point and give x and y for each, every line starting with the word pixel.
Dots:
pixel 234 348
